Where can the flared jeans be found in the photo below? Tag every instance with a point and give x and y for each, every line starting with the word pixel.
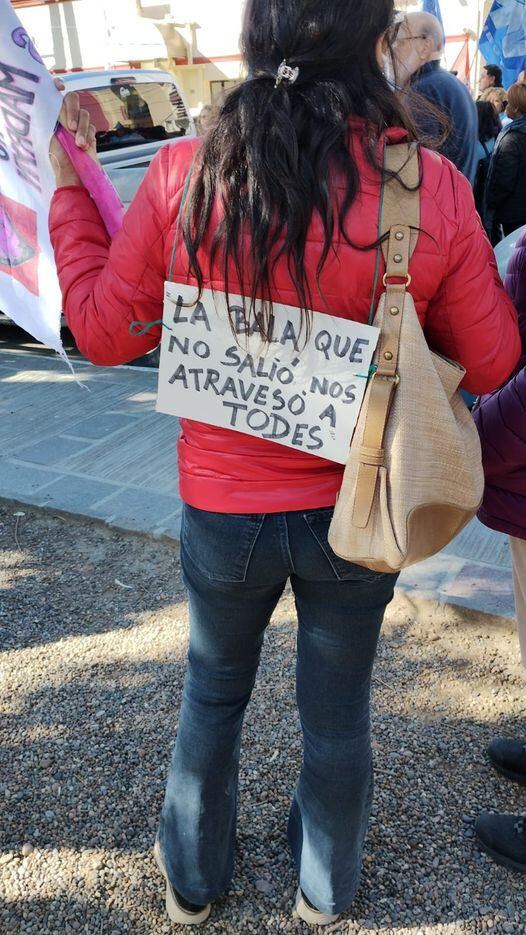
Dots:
pixel 236 567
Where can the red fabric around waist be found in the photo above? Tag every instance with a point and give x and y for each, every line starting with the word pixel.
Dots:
pixel 228 472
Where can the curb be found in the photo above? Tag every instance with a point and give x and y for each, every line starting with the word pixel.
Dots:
pixel 71 516
pixel 447 612
pixel 406 599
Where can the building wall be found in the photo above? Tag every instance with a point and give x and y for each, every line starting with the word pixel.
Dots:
pixel 196 40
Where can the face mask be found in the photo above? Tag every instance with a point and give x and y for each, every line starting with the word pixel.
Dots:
pixel 124 93
pixel 389 73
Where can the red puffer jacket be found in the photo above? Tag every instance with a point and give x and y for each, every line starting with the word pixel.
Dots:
pixel 461 303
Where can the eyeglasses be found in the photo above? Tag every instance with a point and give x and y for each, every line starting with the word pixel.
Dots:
pixel 408 38
pixel 394 33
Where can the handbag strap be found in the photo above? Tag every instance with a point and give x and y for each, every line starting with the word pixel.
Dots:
pixel 400 217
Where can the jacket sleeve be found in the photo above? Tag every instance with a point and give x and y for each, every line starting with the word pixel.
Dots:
pixel 107 285
pixel 471 318
pixel 501 421
pixel 515 283
pixel 503 171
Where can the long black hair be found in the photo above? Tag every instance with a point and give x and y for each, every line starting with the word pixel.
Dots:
pixel 268 158
pixel 489 123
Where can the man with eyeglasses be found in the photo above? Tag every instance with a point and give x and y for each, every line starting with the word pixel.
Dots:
pixel 418 44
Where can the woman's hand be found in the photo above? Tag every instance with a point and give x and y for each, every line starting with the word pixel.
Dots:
pixel 77 121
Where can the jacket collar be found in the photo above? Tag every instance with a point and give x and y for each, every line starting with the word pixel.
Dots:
pixel 389 136
pixel 359 140
pixel 426 69
pixel 519 124
pixel 516 126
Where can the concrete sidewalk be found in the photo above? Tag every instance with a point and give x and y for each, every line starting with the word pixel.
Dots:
pixel 99 451
pixel 103 452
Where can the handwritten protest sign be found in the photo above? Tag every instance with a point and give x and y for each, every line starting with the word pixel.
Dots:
pixel 299 392
pixel 29 107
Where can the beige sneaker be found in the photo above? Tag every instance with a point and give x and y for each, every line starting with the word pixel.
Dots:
pixel 178 909
pixel 309 914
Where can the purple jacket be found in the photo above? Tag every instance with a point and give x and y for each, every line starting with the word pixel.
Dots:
pixel 501 421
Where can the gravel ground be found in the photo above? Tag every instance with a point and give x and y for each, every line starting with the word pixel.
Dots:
pixel 93 630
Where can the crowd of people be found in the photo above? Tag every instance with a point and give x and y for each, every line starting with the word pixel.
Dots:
pixel 487 145
pixel 281 201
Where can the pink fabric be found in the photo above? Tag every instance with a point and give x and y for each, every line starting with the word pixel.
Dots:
pixel 95 181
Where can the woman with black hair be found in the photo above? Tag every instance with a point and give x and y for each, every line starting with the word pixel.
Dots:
pixel 278 203
pixel 489 129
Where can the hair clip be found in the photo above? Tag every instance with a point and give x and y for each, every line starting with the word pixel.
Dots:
pixel 286 73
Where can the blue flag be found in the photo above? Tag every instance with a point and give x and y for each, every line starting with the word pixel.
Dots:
pixel 433 6
pixel 503 38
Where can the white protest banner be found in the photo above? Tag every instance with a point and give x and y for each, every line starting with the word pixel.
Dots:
pixel 29 108
pixel 305 394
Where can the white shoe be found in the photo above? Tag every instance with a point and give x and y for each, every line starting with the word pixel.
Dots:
pixel 310 915
pixel 175 911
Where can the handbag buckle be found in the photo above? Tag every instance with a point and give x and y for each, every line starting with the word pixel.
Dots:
pixel 393 377
pixel 407 276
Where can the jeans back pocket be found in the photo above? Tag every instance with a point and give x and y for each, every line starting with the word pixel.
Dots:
pixel 219 545
pixel 318 522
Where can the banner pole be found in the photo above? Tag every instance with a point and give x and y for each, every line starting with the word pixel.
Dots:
pixel 478 57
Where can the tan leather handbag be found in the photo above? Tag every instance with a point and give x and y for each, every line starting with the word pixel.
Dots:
pixel 414 475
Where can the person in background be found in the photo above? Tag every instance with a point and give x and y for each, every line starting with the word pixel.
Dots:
pixel 282 204
pixel 489 129
pixel 506 184
pixel 498 97
pixel 418 48
pixel 521 77
pixel 501 423
pixel 490 77
pixel 203 121
pixel 134 108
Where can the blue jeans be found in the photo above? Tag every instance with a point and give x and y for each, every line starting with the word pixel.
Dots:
pixel 235 569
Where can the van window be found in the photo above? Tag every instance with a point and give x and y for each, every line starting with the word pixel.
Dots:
pixel 130 113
